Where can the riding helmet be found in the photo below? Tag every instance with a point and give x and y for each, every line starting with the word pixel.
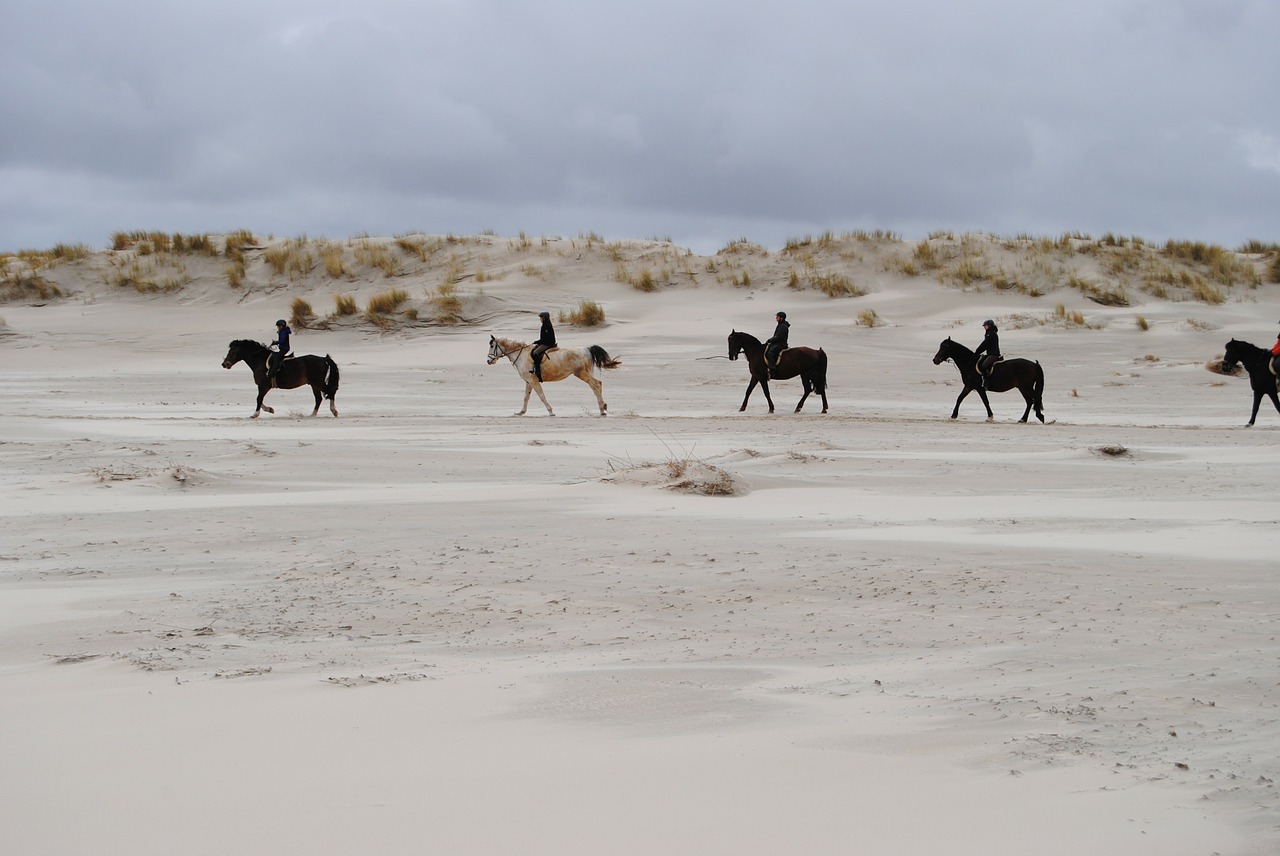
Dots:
pixel 544 314
pixel 782 315
pixel 282 323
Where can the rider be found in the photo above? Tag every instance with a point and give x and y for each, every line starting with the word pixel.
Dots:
pixel 1275 357
pixel 991 345
pixel 280 349
pixel 546 341
pixel 777 343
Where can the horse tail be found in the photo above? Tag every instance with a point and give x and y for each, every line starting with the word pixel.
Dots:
pixel 601 358
pixel 1038 390
pixel 820 376
pixel 331 378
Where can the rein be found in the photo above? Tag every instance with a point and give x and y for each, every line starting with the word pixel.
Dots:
pixel 508 354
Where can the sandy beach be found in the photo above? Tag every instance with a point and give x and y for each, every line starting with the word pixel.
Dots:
pixel 428 626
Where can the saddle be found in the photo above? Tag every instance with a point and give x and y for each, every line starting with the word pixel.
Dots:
pixel 990 364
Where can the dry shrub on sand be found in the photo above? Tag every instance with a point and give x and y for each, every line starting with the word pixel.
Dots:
pixel 684 475
pixel 1215 365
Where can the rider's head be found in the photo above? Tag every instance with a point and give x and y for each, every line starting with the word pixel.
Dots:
pixel 545 316
pixel 782 316
pixel 989 323
pixel 281 323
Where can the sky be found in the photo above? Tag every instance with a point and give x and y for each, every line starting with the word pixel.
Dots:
pixel 702 122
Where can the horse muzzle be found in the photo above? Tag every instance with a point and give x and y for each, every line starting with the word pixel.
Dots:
pixel 226 364
pixel 491 361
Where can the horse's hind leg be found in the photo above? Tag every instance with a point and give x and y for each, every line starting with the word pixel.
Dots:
pixel 597 387
pixel 315 389
pixel 808 388
pixel 1030 399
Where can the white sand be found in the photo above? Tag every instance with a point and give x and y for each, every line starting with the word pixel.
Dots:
pixel 429 627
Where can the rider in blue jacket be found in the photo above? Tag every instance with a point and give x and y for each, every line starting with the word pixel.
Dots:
pixel 281 346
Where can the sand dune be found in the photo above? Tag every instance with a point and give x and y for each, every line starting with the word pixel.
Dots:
pixel 428 626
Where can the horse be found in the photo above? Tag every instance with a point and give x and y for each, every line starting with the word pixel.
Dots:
pixel 320 373
pixel 1257 362
pixel 1026 375
pixel 809 364
pixel 557 364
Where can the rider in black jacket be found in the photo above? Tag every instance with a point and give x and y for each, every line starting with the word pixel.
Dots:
pixel 777 343
pixel 546 341
pixel 991 347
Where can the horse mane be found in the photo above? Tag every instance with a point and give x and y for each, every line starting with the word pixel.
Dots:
pixel 1248 346
pixel 751 339
pixel 964 351
pixel 248 343
pixel 509 344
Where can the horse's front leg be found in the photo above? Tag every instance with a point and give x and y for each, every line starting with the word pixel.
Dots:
pixel 537 387
pixel 1257 401
pixel 524 407
pixel 764 387
pixel 964 393
pixel 262 393
pixel 982 393
pixel 750 388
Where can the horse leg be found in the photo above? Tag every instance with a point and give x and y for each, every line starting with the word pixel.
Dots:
pixel 808 388
pixel 750 388
pixel 955 411
pixel 1275 399
pixel 597 387
pixel 537 387
pixel 1030 399
pixel 764 387
pixel 528 388
pixel 315 390
pixel 982 393
pixel 263 389
pixel 1257 400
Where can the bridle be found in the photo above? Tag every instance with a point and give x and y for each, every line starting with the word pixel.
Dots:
pixel 493 358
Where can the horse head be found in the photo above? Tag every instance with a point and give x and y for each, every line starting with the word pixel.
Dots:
pixel 944 352
pixel 1231 355
pixel 735 345
pixel 235 353
pixel 495 351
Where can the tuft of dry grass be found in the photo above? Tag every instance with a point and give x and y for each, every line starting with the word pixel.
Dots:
pixel 388 302
pixel 868 318
pixel 588 314
pixel 446 304
pixel 301 315
pixel 344 305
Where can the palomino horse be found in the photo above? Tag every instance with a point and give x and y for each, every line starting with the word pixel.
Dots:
pixel 811 365
pixel 1026 375
pixel 557 364
pixel 1257 362
pixel 320 373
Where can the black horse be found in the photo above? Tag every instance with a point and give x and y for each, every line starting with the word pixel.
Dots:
pixel 809 364
pixel 320 373
pixel 1026 375
pixel 1257 362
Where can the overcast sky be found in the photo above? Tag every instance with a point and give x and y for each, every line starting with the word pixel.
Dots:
pixel 702 122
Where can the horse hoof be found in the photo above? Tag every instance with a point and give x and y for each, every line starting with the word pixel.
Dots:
pixel 254 416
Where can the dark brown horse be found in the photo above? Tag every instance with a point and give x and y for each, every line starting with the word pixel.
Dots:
pixel 809 364
pixel 1026 375
pixel 320 373
pixel 1257 362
